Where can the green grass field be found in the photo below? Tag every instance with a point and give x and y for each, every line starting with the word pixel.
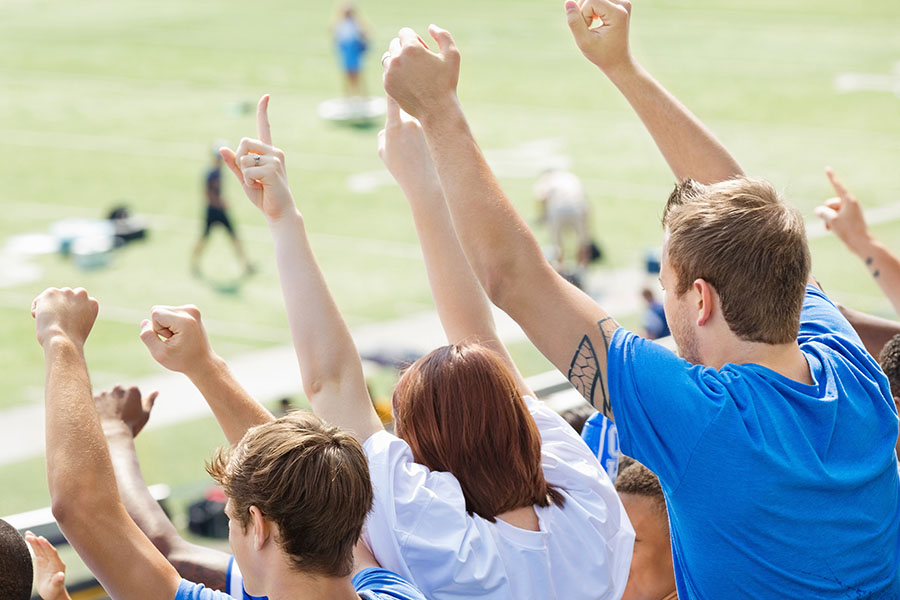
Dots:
pixel 119 101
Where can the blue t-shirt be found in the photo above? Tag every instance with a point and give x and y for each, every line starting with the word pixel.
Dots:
pixel 774 488
pixel 370 584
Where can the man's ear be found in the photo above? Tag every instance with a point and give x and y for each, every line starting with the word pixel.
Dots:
pixel 707 301
pixel 259 528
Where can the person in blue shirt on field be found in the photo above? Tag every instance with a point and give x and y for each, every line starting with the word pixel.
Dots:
pixel 298 490
pixel 655 324
pixel 773 433
pixel 352 41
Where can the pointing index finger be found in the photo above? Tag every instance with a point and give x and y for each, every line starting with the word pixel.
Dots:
pixel 837 185
pixel 263 130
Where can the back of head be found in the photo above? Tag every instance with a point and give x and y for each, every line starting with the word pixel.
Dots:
pixel 310 479
pixel 739 236
pixel 460 411
pixel 16 571
pixel 638 480
pixel 890 364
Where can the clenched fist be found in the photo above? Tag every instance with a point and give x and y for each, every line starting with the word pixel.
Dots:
pixel 421 81
pixel 64 313
pixel 176 339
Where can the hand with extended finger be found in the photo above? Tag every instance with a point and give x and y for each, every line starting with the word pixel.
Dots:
pixel 64 313
pixel 177 340
pixel 49 569
pixel 844 216
pixel 121 408
pixel 404 151
pixel 600 28
pixel 421 81
pixel 259 168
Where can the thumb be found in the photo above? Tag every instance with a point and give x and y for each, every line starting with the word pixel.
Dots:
pixel 444 41
pixel 828 215
pixel 150 338
pixel 149 401
pixel 59 579
pixel 576 23
pixel 230 159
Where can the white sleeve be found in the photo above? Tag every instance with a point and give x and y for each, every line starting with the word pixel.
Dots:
pixel 419 527
pixel 567 461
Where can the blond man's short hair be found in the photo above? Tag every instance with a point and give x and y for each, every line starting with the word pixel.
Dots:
pixel 740 237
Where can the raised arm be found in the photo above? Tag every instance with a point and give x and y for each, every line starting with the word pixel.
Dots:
pixel 176 339
pixel 691 150
pixel 329 362
pixel 123 413
pixel 563 322
pixel 80 476
pixel 874 331
pixel 462 305
pixel 844 216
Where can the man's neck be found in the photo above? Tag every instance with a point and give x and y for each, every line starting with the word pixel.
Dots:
pixel 293 585
pixel 785 359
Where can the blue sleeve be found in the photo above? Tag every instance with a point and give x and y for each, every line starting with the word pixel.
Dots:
pixel 197 591
pixel 385 585
pixel 820 317
pixel 662 404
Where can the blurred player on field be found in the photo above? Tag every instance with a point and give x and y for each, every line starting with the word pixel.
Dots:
pixel 563 206
pixel 216 214
pixel 352 40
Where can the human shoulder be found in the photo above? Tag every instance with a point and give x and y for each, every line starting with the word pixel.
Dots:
pixel 382 584
pixel 188 590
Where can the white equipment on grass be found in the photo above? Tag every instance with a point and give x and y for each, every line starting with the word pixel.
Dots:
pixel 352 110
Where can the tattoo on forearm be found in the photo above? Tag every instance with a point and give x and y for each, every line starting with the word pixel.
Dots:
pixel 585 372
pixel 875 271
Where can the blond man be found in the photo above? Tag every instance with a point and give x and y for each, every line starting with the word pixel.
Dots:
pixel 773 434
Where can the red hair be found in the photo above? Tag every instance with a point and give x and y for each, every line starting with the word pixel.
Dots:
pixel 461 412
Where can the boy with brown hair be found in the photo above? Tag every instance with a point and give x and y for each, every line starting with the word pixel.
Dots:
pixel 294 464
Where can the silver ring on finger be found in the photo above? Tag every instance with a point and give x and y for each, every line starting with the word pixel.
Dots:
pixel 385 56
pixel 256 159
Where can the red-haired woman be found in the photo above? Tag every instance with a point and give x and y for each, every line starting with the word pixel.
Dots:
pixel 486 492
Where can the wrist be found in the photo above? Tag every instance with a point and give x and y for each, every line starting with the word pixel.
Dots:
pixel 206 370
pixel 623 70
pixel 446 110
pixel 56 339
pixel 286 220
pixel 863 245
pixel 116 430
pixel 422 189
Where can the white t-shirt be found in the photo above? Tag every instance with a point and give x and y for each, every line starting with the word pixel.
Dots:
pixel 419 527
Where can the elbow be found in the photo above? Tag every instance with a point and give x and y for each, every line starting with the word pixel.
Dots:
pixel 62 510
pixel 69 512
pixel 313 387
pixel 506 284
pixel 74 505
pixel 499 282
